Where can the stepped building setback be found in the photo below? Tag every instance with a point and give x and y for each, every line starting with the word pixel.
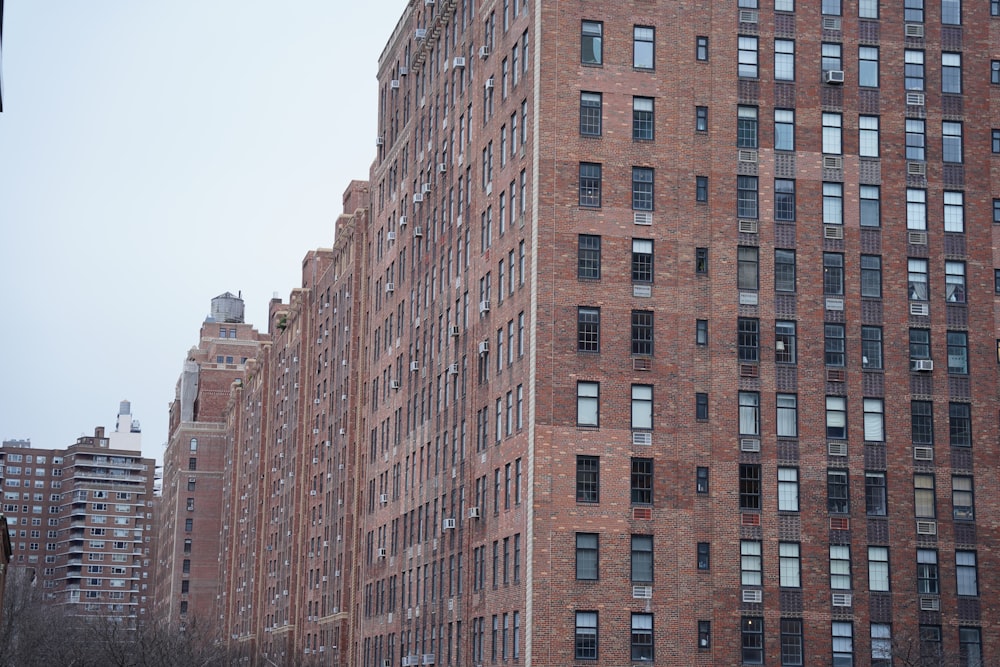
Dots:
pixel 662 333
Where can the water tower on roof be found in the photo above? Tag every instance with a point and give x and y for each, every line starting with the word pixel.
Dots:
pixel 227 307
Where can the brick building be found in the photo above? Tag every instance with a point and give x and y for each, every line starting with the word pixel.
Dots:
pixel 642 281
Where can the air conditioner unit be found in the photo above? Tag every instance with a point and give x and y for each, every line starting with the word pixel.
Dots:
pixel 452 369
pixel 393 384
pixel 315 431
pixel 474 513
pixel 453 331
pixel 390 287
pixel 427 658
pixel 916 238
pixel 418 198
pixel 746 155
pixel 383 498
pixel 414 366
pixel 836 448
pixel 343 431
pixel 833 76
pixel 394 84
pixel 448 524
pixel 642 592
pixel 381 552
pixel 489 83
pixel 921 364
pixel 402 221
pixel 748 16
pixel 915 99
pixel 418 231
pixel 841 599
pixel 926 527
pixel 833 232
pixel 923 453
pixel 484 306
pixel 642 438
pixel 642 218
pixel 930 604
pixel 831 23
pixel 913 30
pixel 386 663
pixel 403 70
pixel 484 52
pixel 316 401
pixel 421 33
pixel 425 188
pixel 379 141
pixel 312 492
pixel 459 61
pixel 748 226
pixel 752 596
pixel 442 167
pixel 919 309
pixel 916 168
pixel 833 162
pixel 428 2
pixel 749 444
pixel 484 346
pixel 391 236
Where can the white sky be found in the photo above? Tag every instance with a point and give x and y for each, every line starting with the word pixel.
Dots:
pixel 155 154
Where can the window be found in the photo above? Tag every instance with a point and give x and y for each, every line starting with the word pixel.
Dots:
pixel 747 268
pixel 784 60
pixel 831 7
pixel 787 415
pixel 954 281
pixel 951 73
pixel 748 339
pixel 588 479
pixel 922 422
pixel 962 504
pixel 913 11
pixel 832 123
pixel 752 640
pixel 784 5
pixel 587 401
pixel 701 188
pixel 590 114
pixel 927 572
pixel 701 332
pixel 878 568
pixel 588 266
pixel 704 556
pixel 701 260
pixel 920 344
pixel 916 140
pixel 840 567
pixel 916 209
pixel 960 424
pixel 586 556
pixel 868 66
pixel 917 280
pixel 749 413
pixel 192 463
pixel 784 129
pixel 868 136
pixel 747 57
pixel 831 57
pixel 590 184
pixel 930 643
pixel 833 274
pixel 586 636
pixel 591 43
pixel 642 332
pixel 965 573
pixel 874 420
pixel 751 569
pixel 834 345
pixel 704 634
pixel 588 329
pixel 643 38
pixel 749 486
pixel 951 141
pixel 791 642
pixel 970 647
pixel 958 353
pixel 833 204
pixel 701 48
pixel 994 7
pixel 642 189
pixel 701 406
pixel 746 196
pixel 788 565
pixel 788 489
pixel 701 480
pixel 746 127
pixel 784 200
pixel 642 637
pixel 701 119
pixel 642 558
pixel 784 342
pixel 913 69
pixel 642 481
pixel 642 118
pixel 784 270
pixel 954 212
pixel 870 207
pixel 923 497
pixel 642 407
pixel 842 633
pixel 837 496
pixel 875 496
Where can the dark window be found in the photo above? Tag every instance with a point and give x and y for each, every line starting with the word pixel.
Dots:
pixel 590 114
pixel 784 199
pixel 642 189
pixel 642 637
pixel 871 276
pixel 784 342
pixel 920 344
pixel 704 634
pixel 875 496
pixel 746 127
pixel 996 140
pixel 701 188
pixel 747 273
pixel 588 329
pixel 958 353
pixel 642 481
pixel 701 406
pixel 960 424
pixel 192 463
pixel 995 72
pixel 587 556
pixel 784 270
pixel 837 498
pixel 591 38
pixel 590 184
pixel 922 422
pixel 704 556
pixel 746 196
pixel 586 636
pixel 588 479
pixel 753 640
pixel 791 642
pixel 748 339
pixel 833 274
pixel 970 647
pixel 701 332
pixel 701 260
pixel 588 265
pixel 996 281
pixel 642 558
pixel 962 503
pixel 642 261
pixel 834 344
pixel 996 210
pixel 701 119
pixel 701 479
pixel 870 205
pixel 749 486
pixel 642 332
pixel 642 118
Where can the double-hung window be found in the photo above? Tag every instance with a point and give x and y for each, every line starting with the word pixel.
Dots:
pixel 789 567
pixel 868 66
pixel 642 637
pixel 643 41
pixel 642 118
pixel 784 200
pixel 746 127
pixel 913 69
pixel 642 189
pixel 834 345
pixel 928 582
pixel 752 631
pixel 871 348
pixel 954 282
pixel 951 141
pixel 868 136
pixel 784 270
pixel 832 128
pixel 784 129
pixel 748 339
pixel 962 503
pixel 951 12
pixel 833 274
pixel 878 568
pixel 842 639
pixel 588 479
pixel 954 211
pixel 751 569
pixel 590 114
pixel 642 260
pixel 784 60
pixel 642 558
pixel 787 415
pixel 747 268
pixel 917 279
pixel 875 494
pixel 586 636
pixel 587 403
pixel 642 407
pixel 916 209
pixel 747 57
pixel 870 207
pixel 965 572
pixel 960 424
pixel 591 43
pixel 590 184
pixel 749 404
pixel 922 423
pixel 588 265
pixel 833 203
pixel 913 11
pixel 788 489
pixel 588 329
pixel 840 567
pixel 750 486
pixel 830 57
pixel 784 342
pixel 837 496
pixel 746 196
pixel 642 481
pixel 874 419
pixel 642 333
pixel 958 353
pixel 951 73
pixel 916 139
pixel 587 556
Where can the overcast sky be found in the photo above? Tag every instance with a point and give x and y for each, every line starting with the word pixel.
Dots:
pixel 155 154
